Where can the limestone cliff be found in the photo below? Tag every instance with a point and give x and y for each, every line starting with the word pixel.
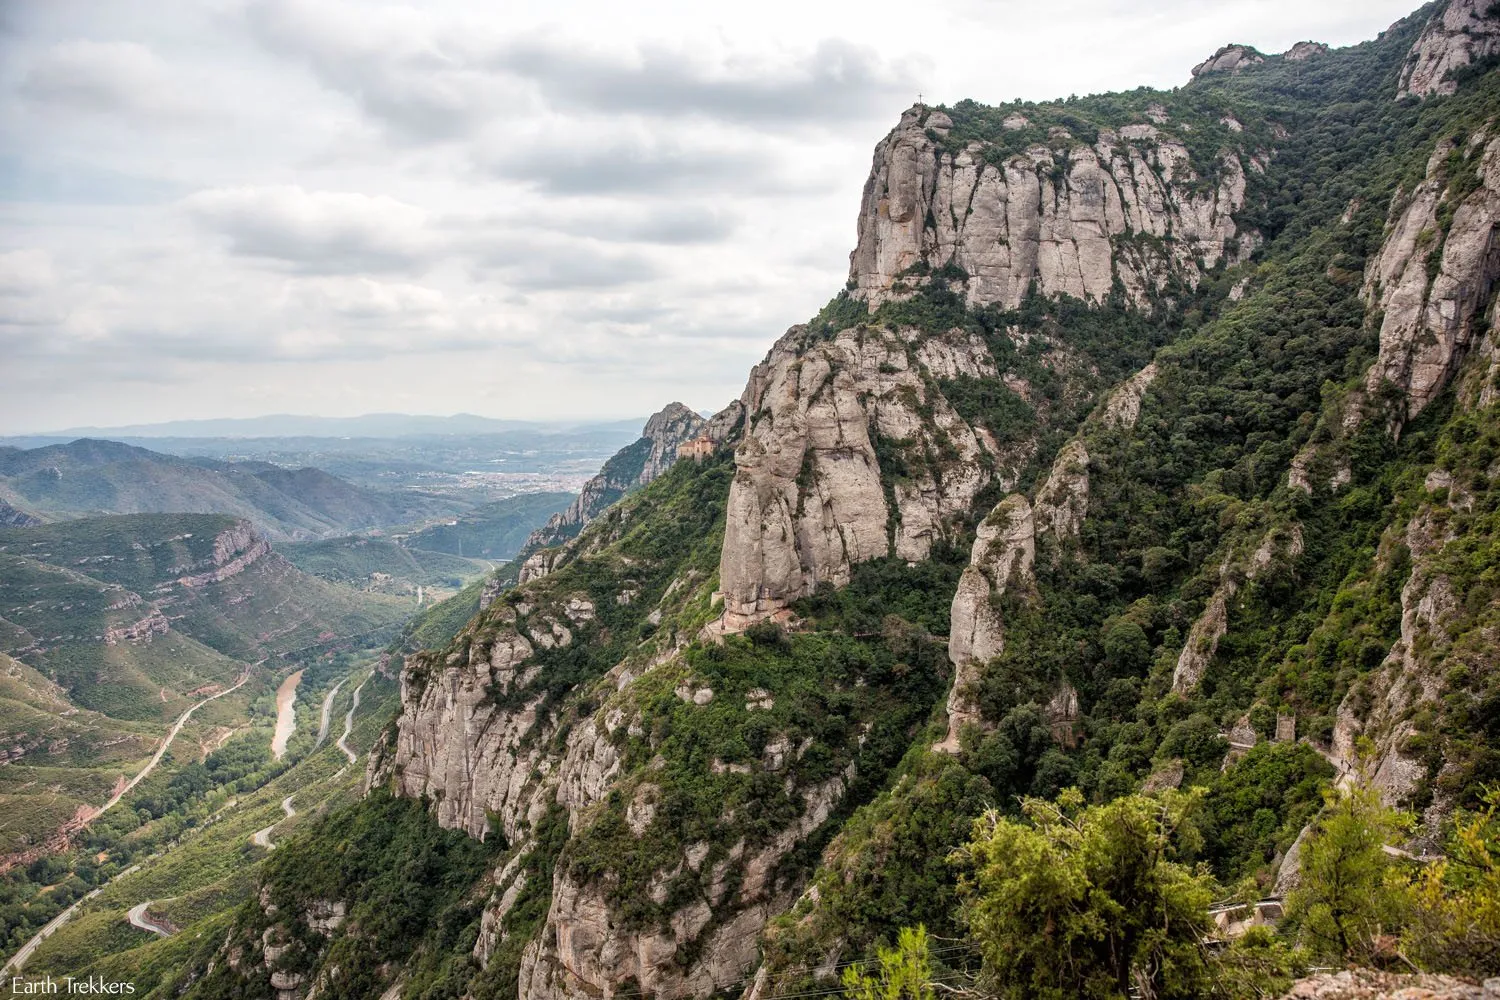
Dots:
pixel 633 467
pixel 1464 32
pixel 807 501
pixel 1002 557
pixel 1071 216
pixel 1431 319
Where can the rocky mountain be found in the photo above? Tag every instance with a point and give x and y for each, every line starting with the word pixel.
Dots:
pixel 131 614
pixel 630 469
pixel 1153 445
pixel 89 477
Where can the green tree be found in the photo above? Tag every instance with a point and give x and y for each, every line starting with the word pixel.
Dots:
pixel 1350 893
pixel 1455 923
pixel 903 972
pixel 1089 901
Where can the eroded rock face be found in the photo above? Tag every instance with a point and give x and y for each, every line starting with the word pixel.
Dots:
pixel 1367 984
pixel 466 736
pixel 1123 407
pixel 1429 325
pixel 807 502
pixel 1006 225
pixel 14 517
pixel 1303 51
pixel 1063 500
pixel 1381 710
pixel 1210 626
pixel 1463 33
pixel 1002 558
pixel 235 550
pixel 1230 59
pixel 587 953
pixel 629 470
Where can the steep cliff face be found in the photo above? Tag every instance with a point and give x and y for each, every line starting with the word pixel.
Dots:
pixel 1073 217
pixel 1003 554
pixel 1431 319
pixel 807 502
pixel 634 467
pixel 1465 32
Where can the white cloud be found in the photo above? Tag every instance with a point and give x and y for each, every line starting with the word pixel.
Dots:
pixel 571 208
pixel 318 231
pixel 104 78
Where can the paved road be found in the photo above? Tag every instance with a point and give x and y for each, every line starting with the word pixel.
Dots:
pixel 181 721
pixel 137 918
pixel 327 711
pixel 349 723
pixel 262 837
pixel 19 958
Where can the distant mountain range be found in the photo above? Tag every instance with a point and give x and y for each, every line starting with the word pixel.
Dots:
pixel 87 477
pixel 369 425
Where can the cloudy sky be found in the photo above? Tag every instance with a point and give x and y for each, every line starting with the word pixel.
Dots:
pixel 579 208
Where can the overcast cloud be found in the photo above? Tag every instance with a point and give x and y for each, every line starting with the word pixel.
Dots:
pixel 227 208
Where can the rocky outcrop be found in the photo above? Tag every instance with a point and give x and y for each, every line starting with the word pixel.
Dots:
pixel 630 469
pixel 1001 559
pixel 235 550
pixel 1367 984
pixel 1430 323
pixel 1231 59
pixel 1067 218
pixel 807 501
pixel 14 517
pixel 1123 407
pixel 1063 500
pixel 1210 626
pixel 153 624
pixel 706 946
pixel 1303 51
pixel 1381 706
pixel 1463 33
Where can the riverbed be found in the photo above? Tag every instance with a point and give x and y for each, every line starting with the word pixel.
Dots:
pixel 286 717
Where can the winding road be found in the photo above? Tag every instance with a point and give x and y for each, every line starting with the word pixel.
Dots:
pixel 262 837
pixel 327 711
pixel 177 728
pixel 137 918
pixel 349 723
